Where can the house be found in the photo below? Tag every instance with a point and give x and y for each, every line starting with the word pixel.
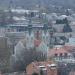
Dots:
pixel 71 41
pixel 61 54
pixel 42 68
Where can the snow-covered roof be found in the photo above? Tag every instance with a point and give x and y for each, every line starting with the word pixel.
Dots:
pixel 19 18
pixel 51 65
pixel 42 66
pixel 71 42
pixel 72 23
pixel 44 69
pixel 62 17
pixel 54 14
pixel 70 18
pixel 20 11
pixel 73 15
pixel 43 13
pixel 58 46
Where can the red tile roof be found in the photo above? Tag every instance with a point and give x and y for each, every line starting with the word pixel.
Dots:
pixel 63 49
pixel 69 48
pixel 35 67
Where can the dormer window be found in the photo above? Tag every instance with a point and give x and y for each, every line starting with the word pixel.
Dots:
pixel 61 54
pixel 65 54
pixel 56 55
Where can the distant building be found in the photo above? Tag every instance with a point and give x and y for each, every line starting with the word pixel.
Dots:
pixel 4 54
pixel 71 42
pixel 35 43
pixel 20 14
pixel 13 38
pixel 59 27
pixel 61 54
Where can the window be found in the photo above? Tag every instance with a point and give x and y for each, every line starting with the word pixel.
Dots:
pixel 61 54
pixel 65 54
pixel 56 55
pixel 35 73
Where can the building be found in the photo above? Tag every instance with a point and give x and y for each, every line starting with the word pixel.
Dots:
pixel 4 54
pixel 61 54
pixel 42 68
pixel 29 44
pixel 71 42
